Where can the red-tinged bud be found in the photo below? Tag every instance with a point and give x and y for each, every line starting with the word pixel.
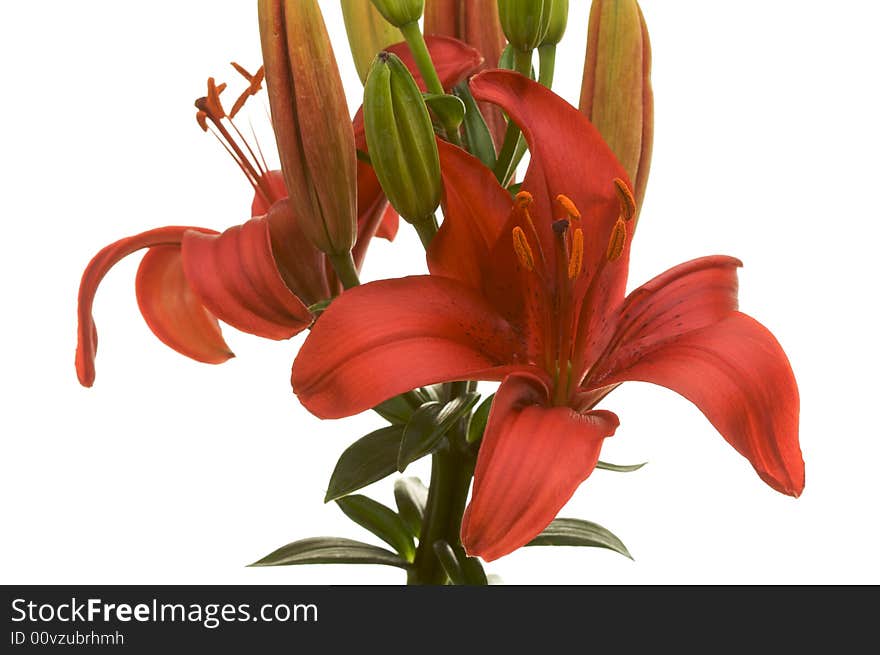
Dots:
pixel 525 22
pixel 311 122
pixel 400 12
pixel 616 93
pixel 368 33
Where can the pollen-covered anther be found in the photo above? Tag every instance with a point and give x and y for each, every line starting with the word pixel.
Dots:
pixel 576 259
pixel 568 207
pixel 523 199
pixel 202 120
pixel 522 249
pixel 617 241
pixel 213 107
pixel 626 199
pixel 255 83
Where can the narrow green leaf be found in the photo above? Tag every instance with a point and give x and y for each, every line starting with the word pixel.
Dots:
pixel 428 425
pixel 381 521
pixel 620 468
pixel 478 420
pixel 462 570
pixel 450 110
pixel 411 497
pixel 431 392
pixel 330 550
pixel 476 131
pixel 367 460
pixel 575 532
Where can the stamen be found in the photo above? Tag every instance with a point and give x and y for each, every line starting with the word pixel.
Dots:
pixel 568 207
pixel 255 83
pixel 202 120
pixel 523 199
pixel 625 196
pixel 617 241
pixel 522 249
pixel 576 260
pixel 213 106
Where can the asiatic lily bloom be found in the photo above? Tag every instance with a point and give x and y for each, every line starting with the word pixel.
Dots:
pixel 259 277
pixel 530 291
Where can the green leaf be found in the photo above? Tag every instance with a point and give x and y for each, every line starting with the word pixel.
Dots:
pixel 449 109
pixel 476 132
pixel 395 410
pixel 367 460
pixel 411 497
pixel 478 420
pixel 431 392
pixel 575 532
pixel 620 468
pixel 428 425
pixel 330 550
pixel 462 570
pixel 381 521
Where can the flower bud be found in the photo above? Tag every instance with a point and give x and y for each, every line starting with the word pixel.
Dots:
pixel 401 140
pixel 524 22
pixel 557 22
pixel 400 12
pixel 368 33
pixel 616 93
pixel 311 122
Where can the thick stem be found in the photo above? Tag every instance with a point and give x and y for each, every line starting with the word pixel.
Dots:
pixel 451 473
pixel 419 49
pixel 547 62
pixel 504 167
pixel 345 269
pixel 426 228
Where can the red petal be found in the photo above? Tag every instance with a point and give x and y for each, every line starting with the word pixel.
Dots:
pixel 568 156
pixel 737 374
pixel 173 312
pixel 275 180
pixel 236 278
pixel 389 224
pixel 87 336
pixel 387 337
pixel 532 458
pixel 453 60
pixel 476 209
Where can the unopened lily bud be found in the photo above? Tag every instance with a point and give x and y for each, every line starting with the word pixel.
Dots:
pixel 401 140
pixel 524 22
pixel 557 22
pixel 368 33
pixel 400 12
pixel 311 122
pixel 616 93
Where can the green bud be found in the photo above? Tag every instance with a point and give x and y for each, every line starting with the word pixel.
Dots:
pixel 400 12
pixel 400 139
pixel 525 22
pixel 557 23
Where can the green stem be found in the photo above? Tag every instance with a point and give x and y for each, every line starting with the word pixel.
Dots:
pixel 426 228
pixel 451 473
pixel 547 62
pixel 345 269
pixel 504 166
pixel 419 49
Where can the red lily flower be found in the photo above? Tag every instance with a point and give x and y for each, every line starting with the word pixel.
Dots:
pixel 259 277
pixel 531 292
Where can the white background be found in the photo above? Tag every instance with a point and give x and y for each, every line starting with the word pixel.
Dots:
pixel 169 471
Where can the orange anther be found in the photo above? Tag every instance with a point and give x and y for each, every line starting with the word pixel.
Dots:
pixel 522 249
pixel 213 106
pixel 625 196
pixel 576 260
pixel 617 241
pixel 202 120
pixel 523 199
pixel 568 207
